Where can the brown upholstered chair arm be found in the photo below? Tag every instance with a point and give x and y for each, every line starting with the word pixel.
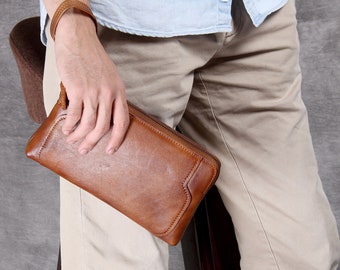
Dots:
pixel 29 54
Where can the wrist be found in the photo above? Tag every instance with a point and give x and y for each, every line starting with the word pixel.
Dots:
pixel 68 15
pixel 74 24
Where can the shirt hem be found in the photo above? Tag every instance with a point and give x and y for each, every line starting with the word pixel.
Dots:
pixel 169 34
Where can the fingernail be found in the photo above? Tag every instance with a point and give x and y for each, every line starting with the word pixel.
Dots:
pixel 111 151
pixel 66 132
pixel 83 151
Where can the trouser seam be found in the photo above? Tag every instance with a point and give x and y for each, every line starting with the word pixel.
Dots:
pixel 237 166
pixel 82 228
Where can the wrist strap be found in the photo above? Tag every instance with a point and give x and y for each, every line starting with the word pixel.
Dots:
pixel 66 5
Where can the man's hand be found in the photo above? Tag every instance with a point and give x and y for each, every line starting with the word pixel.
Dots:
pixel 95 91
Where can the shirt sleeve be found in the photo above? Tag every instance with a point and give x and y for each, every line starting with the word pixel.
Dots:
pixel 43 22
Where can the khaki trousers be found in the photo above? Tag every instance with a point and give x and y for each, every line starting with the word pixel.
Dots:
pixel 239 96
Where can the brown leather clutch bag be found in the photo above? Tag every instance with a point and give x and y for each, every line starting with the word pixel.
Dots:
pixel 157 177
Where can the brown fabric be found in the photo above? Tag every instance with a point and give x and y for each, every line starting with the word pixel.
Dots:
pixel 29 54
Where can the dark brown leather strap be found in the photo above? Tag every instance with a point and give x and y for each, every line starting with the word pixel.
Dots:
pixel 66 5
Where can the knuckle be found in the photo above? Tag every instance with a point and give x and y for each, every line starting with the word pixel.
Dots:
pixel 88 125
pixel 108 95
pixel 123 124
pixel 91 105
pixel 90 141
pixel 73 114
pixel 100 131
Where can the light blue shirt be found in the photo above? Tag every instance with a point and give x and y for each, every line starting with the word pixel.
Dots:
pixel 165 18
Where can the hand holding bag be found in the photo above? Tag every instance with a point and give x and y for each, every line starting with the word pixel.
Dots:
pixel 157 177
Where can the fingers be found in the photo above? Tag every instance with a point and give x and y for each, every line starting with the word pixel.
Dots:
pixel 121 123
pixel 86 127
pixel 95 128
pixel 74 113
pixel 89 121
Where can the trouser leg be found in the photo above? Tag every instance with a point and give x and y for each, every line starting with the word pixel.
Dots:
pixel 94 235
pixel 250 114
pixel 158 74
pixel 246 108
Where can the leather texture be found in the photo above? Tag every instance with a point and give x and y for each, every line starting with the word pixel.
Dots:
pixel 157 177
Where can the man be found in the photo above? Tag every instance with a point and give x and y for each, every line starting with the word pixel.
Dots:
pixel 235 92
